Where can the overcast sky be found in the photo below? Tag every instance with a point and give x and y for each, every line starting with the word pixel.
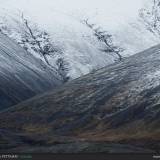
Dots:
pixel 111 12
pixel 127 8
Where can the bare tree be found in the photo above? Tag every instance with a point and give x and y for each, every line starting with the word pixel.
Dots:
pixel 41 44
pixel 44 50
pixel 151 17
pixel 106 38
pixel 4 29
pixel 62 67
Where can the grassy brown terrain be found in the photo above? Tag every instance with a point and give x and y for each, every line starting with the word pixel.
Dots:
pixel 114 110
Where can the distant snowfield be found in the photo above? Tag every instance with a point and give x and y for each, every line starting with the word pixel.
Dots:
pixel 62 20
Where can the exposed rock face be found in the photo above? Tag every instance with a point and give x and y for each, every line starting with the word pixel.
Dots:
pixel 21 74
pixel 116 104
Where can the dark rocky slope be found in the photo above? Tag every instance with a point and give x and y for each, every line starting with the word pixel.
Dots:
pixel 115 109
pixel 22 76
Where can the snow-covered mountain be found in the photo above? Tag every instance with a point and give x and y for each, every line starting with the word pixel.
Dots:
pixel 21 74
pixel 114 109
pixel 81 49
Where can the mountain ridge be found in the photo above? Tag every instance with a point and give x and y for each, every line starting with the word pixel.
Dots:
pixel 117 104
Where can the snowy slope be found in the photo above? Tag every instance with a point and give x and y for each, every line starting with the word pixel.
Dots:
pixel 134 37
pixel 21 74
pixel 81 49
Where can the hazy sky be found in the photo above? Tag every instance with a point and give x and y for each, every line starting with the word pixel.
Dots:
pixel 111 12
pixel 125 8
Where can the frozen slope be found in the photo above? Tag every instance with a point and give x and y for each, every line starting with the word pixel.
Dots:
pixel 81 50
pixel 21 74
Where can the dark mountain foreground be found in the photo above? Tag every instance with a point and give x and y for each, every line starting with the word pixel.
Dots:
pixel 113 110
pixel 22 75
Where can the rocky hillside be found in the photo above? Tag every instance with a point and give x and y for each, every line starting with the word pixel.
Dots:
pixel 114 109
pixel 22 76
